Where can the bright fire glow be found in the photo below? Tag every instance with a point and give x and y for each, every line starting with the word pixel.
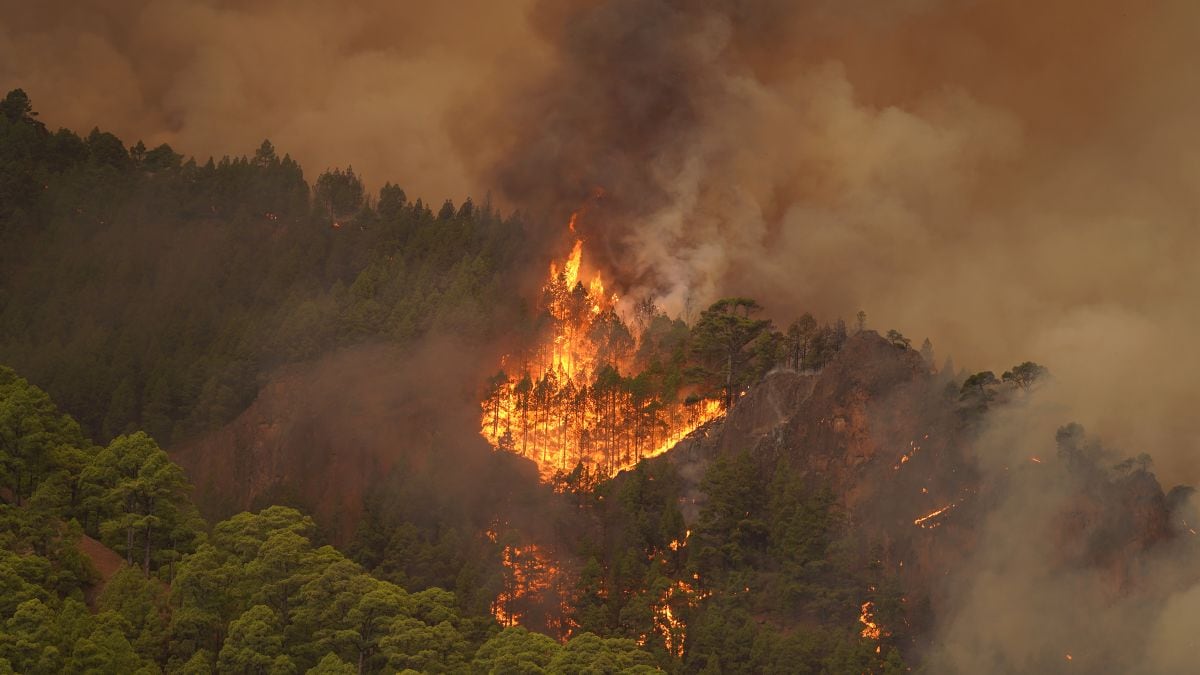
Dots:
pixel 529 580
pixel 561 405
pixel 667 623
pixel 866 617
pixel 930 520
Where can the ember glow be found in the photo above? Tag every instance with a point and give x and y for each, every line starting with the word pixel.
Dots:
pixel 866 617
pixel 667 622
pixel 565 404
pixel 932 519
pixel 913 449
pixel 530 579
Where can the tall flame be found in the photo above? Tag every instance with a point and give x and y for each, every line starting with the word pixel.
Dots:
pixel 866 617
pixel 667 623
pixel 566 404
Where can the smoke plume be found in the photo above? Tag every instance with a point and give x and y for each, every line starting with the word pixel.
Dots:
pixel 1073 569
pixel 1014 183
pixel 366 84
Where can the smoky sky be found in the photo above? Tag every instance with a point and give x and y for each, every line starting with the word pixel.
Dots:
pixel 1012 180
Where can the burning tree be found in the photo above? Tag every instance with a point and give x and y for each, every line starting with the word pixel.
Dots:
pixel 591 393
pixel 567 402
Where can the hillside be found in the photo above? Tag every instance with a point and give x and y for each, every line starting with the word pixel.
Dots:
pixel 906 459
pixel 894 443
pixel 520 471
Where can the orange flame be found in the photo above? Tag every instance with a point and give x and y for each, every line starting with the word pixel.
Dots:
pixel 666 623
pixel 866 617
pixel 555 412
pixel 912 452
pixel 928 521
pixel 530 578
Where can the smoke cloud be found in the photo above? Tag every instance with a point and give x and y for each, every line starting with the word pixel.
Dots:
pixel 1073 568
pixel 1014 181
pixel 1013 184
pixel 366 84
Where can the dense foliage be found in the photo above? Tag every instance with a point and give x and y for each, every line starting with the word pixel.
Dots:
pixel 253 594
pixel 148 291
pixel 761 584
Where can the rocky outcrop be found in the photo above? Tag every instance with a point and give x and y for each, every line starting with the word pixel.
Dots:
pixel 881 429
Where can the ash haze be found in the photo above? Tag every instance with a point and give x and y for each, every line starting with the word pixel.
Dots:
pixel 367 84
pixel 1014 182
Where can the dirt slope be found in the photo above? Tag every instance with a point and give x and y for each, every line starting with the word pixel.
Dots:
pixel 106 561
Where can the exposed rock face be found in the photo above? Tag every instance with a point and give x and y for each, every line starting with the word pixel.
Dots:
pixel 872 411
pixel 880 429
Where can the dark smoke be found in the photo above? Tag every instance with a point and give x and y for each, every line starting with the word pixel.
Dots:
pixel 1014 184
pixel 1014 180
pixel 364 83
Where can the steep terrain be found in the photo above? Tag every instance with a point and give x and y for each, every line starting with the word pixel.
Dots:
pixel 921 481
pixel 926 492
pixel 321 435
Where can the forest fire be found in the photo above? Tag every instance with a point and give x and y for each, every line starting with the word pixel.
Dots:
pixel 866 617
pixel 565 403
pixel 931 520
pixel 528 574
pixel 904 458
pixel 667 622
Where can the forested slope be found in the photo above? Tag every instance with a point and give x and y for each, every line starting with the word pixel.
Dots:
pixel 315 349
pixel 254 593
pixel 145 290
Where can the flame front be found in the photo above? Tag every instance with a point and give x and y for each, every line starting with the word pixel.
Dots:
pixel 667 623
pixel 931 520
pixel 866 617
pixel 532 581
pixel 567 403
